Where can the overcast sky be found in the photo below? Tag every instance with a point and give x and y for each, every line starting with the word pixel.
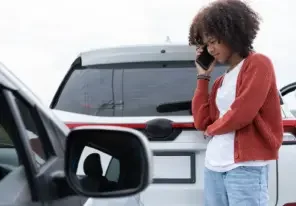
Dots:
pixel 42 38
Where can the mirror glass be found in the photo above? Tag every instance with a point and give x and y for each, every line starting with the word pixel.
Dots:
pixel 97 170
pixel 104 161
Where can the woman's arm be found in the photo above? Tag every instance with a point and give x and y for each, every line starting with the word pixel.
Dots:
pixel 201 105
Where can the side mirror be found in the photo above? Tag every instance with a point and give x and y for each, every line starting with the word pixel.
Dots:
pixel 107 161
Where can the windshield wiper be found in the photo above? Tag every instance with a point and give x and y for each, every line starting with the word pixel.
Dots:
pixel 174 107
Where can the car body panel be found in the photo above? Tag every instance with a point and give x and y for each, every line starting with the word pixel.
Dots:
pixel 178 163
pixel 33 180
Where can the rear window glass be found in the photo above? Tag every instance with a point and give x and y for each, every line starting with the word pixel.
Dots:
pixel 139 89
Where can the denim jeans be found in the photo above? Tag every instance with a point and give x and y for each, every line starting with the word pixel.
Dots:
pixel 242 186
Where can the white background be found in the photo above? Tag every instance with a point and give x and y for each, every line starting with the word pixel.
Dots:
pixel 40 39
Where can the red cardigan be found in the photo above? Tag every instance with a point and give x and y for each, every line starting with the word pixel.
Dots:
pixel 255 114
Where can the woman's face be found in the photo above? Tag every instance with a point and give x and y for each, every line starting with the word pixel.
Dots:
pixel 220 51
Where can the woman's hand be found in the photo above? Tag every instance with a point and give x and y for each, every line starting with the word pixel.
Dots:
pixel 200 70
pixel 206 135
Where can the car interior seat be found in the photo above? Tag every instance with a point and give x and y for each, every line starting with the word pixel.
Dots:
pixel 93 170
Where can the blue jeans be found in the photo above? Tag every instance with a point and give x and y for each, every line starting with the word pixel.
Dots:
pixel 242 186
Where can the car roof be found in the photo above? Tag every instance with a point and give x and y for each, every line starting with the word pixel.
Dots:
pixel 10 81
pixel 138 53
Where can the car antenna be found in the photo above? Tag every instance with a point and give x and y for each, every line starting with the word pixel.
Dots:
pixel 168 40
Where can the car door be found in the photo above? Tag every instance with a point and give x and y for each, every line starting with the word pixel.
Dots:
pixel 15 184
pixel 40 150
pixel 286 166
pixel 289 96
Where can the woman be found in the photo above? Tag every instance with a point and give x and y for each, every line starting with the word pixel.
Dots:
pixel 242 114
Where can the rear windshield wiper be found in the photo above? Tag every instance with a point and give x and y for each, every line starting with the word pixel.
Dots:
pixel 174 107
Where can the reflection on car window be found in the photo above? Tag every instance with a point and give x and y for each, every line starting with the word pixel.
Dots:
pixel 135 89
pixel 88 91
pixel 32 132
pixel 6 126
pixel 8 132
pixel 4 137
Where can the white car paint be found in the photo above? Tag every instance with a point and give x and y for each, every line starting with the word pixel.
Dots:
pixel 182 158
pixel 12 82
pixel 179 166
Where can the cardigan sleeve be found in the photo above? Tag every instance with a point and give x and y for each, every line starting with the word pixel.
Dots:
pixel 201 104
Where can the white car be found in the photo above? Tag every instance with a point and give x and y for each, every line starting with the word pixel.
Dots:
pixel 40 155
pixel 149 88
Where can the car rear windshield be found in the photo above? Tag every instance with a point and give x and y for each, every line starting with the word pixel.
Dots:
pixel 131 89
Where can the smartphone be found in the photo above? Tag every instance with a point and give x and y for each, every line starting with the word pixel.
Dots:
pixel 205 59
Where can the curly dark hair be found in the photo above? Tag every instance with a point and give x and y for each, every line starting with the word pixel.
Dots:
pixel 233 22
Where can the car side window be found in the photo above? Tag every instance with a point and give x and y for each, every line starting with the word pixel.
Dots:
pixel 8 132
pixel 112 173
pixel 4 136
pixel 53 131
pixel 33 132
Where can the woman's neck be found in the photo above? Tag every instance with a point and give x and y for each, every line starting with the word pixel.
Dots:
pixel 233 61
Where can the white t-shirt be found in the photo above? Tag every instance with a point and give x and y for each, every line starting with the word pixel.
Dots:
pixel 220 150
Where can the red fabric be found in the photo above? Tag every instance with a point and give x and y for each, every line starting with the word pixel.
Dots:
pixel 255 114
